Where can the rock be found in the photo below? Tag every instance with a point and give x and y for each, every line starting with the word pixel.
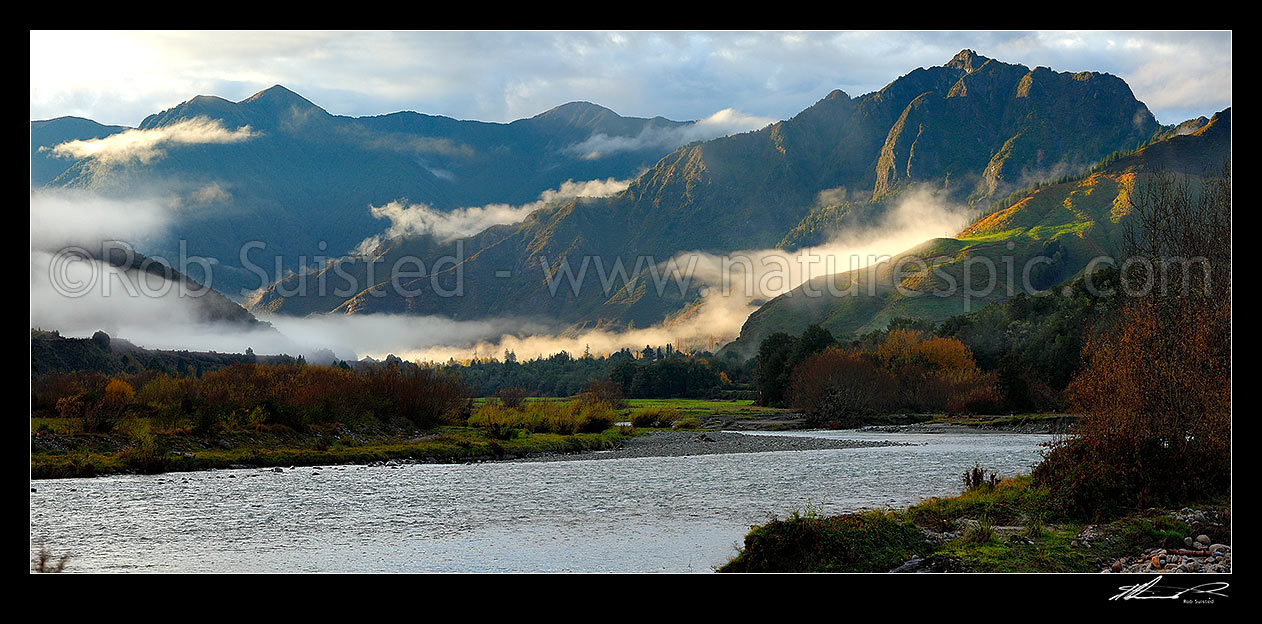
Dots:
pixel 1215 548
pixel 1187 541
pixel 1117 566
pixel 1204 539
pixel 1156 562
pixel 278 469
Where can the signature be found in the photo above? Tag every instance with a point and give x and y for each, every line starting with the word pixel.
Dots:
pixel 1145 591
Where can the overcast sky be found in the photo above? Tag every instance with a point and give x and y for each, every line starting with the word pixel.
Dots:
pixel 120 77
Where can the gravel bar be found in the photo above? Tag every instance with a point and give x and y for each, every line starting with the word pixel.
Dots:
pixel 685 443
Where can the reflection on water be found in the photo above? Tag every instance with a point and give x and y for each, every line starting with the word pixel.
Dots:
pixel 677 514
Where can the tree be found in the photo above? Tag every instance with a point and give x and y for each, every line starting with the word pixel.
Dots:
pixel 773 367
pixel 1155 386
pixel 838 387
pixel 102 340
pixel 1012 384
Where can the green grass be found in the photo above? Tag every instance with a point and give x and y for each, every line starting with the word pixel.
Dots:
pixel 1004 528
pixel 994 237
pixel 704 407
pixel 1054 552
pixel 1004 504
pixel 685 407
pixel 864 542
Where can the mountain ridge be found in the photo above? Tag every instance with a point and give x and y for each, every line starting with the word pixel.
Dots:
pixel 747 191
pixel 1068 223
pixel 302 180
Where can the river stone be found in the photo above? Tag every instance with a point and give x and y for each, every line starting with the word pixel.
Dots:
pixel 1204 539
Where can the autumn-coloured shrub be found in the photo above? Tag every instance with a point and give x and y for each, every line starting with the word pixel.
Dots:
pixel 979 397
pixel 838 386
pixel 252 396
pixel 1156 417
pixel 511 397
pixel 422 395
pixel 949 356
pixel 607 392
pixel 1154 391
pixel 118 392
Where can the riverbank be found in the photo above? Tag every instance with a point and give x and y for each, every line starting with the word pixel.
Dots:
pixel 1011 423
pixel 66 455
pixel 688 443
pixel 783 420
pixel 1006 526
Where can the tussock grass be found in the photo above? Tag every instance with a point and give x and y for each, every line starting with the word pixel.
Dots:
pixel 502 422
pixel 662 417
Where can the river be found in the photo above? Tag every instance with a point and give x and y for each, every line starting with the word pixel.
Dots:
pixel 645 514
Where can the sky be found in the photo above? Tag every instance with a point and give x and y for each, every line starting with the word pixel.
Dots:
pixel 118 77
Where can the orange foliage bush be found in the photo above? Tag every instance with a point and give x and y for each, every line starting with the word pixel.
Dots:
pixel 1155 387
pixel 838 386
pixel 288 395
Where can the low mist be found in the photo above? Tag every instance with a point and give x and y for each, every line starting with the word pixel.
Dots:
pixel 731 288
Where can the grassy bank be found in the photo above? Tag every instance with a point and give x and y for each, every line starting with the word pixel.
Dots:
pixel 1001 527
pixel 59 453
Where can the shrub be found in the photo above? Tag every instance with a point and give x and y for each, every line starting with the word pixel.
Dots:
pixel 980 397
pixel 837 387
pixel 544 417
pixel 663 417
pixel 44 561
pixel 1155 386
pixel 862 542
pixel 607 392
pixel 511 398
pixel 146 458
pixel 977 478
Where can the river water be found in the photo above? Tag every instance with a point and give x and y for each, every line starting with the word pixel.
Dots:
pixel 647 514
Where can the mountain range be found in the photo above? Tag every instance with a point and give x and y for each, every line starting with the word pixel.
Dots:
pixel 1042 155
pixel 1056 230
pixel 973 130
pixel 278 169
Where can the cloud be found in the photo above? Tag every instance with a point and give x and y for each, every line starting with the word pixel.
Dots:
pixel 732 286
pixel 64 218
pixel 120 77
pixel 78 296
pixel 205 195
pixel 723 123
pixel 422 219
pixel 145 146
pixel 735 284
